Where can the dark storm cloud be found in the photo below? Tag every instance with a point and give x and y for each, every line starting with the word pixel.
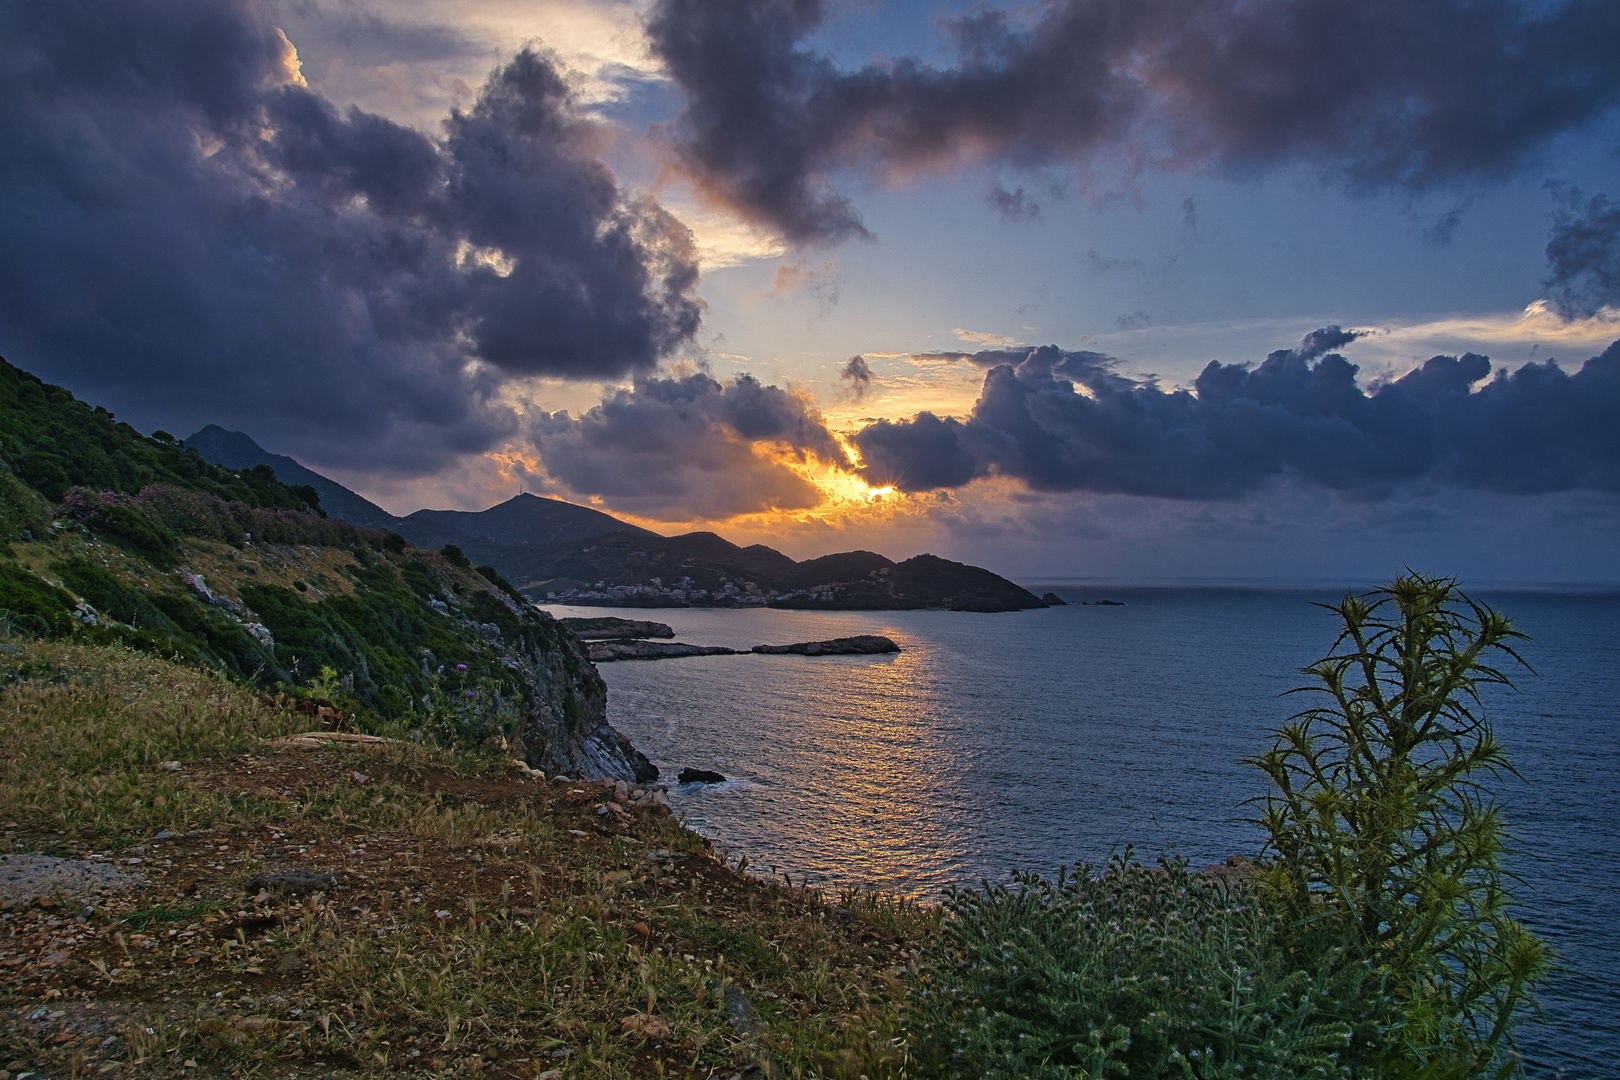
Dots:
pixel 188 232
pixel 1013 205
pixel 1383 93
pixel 1061 421
pixel 858 373
pixel 920 454
pixel 681 448
pixel 1583 255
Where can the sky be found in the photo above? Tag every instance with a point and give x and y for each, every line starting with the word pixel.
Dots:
pixel 1258 289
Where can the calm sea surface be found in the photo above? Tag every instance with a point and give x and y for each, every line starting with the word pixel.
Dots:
pixel 1032 739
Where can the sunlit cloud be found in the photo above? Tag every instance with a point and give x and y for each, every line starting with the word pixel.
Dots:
pixel 1176 353
pixel 796 275
pixel 413 60
pixel 1537 328
pixel 722 238
pixel 900 391
pixel 993 341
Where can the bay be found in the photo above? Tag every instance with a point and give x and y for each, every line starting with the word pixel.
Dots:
pixel 1022 741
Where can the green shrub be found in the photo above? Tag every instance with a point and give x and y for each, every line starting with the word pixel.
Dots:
pixel 20 508
pixel 493 576
pixel 1388 846
pixel 104 592
pixel 1136 971
pixel 31 608
pixel 43 471
pixel 1376 942
pixel 119 518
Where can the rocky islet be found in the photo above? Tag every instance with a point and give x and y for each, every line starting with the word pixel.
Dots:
pixel 603 652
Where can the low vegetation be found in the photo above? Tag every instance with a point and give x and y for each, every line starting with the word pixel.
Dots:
pixel 474 920
pixel 478 922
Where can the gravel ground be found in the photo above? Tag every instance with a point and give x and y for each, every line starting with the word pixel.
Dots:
pixel 25 879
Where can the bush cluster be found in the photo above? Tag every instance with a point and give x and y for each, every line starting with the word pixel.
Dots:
pixel 1127 971
pixel 193 513
pixel 1375 940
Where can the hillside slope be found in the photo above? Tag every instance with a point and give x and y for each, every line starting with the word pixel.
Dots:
pixel 117 538
pixel 235 450
pixel 53 442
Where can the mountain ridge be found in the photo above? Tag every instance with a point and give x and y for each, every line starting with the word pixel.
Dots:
pixel 570 553
pixel 236 450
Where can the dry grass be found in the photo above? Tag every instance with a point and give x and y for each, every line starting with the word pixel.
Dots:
pixel 87 730
pixel 486 924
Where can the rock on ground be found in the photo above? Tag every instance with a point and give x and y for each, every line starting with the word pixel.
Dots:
pixel 26 879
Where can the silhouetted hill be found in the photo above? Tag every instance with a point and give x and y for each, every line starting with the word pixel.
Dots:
pixel 485 536
pixel 844 566
pixel 236 450
pixel 710 547
pixel 529 519
pixel 705 570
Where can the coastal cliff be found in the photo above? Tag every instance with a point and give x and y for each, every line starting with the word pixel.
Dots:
pixel 108 537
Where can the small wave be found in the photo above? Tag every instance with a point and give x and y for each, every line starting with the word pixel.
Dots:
pixel 697 787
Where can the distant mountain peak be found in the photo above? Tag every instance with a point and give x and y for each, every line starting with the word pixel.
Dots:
pixel 530 519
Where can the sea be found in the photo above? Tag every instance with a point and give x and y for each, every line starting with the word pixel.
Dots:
pixel 1029 740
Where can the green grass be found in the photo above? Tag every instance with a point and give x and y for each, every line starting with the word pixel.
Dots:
pixel 87 728
pixel 177 913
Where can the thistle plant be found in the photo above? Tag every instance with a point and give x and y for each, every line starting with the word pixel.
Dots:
pixel 1387 844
